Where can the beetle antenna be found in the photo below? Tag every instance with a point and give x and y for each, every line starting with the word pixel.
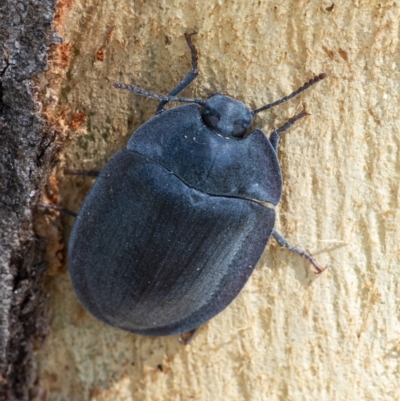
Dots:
pixel 311 82
pixel 153 95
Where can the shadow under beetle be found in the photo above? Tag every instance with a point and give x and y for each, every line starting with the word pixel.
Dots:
pixel 176 223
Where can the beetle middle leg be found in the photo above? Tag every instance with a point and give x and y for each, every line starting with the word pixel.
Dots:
pixel 190 76
pixel 48 206
pixel 60 209
pixel 275 135
pixel 282 242
pixel 90 173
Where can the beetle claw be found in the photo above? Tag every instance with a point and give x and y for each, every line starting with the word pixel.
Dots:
pixel 318 268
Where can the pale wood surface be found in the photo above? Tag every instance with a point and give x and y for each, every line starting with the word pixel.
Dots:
pixel 289 335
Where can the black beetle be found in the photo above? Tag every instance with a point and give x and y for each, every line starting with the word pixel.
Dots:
pixel 176 222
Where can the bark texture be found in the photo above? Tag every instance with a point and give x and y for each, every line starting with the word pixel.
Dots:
pixel 27 145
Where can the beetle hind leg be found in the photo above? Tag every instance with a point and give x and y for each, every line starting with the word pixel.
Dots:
pixel 275 135
pixel 282 242
pixel 187 337
pixel 190 76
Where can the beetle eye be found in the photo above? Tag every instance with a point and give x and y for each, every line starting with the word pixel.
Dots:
pixel 238 130
pixel 211 120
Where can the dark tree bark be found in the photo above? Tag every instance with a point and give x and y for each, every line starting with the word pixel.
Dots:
pixel 27 148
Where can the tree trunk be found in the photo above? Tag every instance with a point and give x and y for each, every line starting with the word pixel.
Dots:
pixel 290 334
pixel 27 148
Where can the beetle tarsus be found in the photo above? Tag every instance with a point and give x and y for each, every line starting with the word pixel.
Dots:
pixel 187 337
pixel 190 76
pixel 166 98
pixel 193 51
pixel 282 242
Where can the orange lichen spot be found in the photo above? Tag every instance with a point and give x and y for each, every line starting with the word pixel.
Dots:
pixel 61 12
pixel 55 188
pixel 100 54
pixel 61 56
pixel 77 120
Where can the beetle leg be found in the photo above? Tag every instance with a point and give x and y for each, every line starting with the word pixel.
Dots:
pixel 275 135
pixel 188 337
pixel 91 173
pixel 282 242
pixel 58 208
pixel 190 77
pixel 61 209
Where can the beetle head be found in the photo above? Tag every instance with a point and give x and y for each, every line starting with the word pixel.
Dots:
pixel 227 116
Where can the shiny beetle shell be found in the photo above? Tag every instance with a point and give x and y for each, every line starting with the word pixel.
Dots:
pixel 174 225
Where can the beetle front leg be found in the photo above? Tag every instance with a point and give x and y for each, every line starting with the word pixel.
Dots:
pixel 282 242
pixel 190 76
pixel 275 135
